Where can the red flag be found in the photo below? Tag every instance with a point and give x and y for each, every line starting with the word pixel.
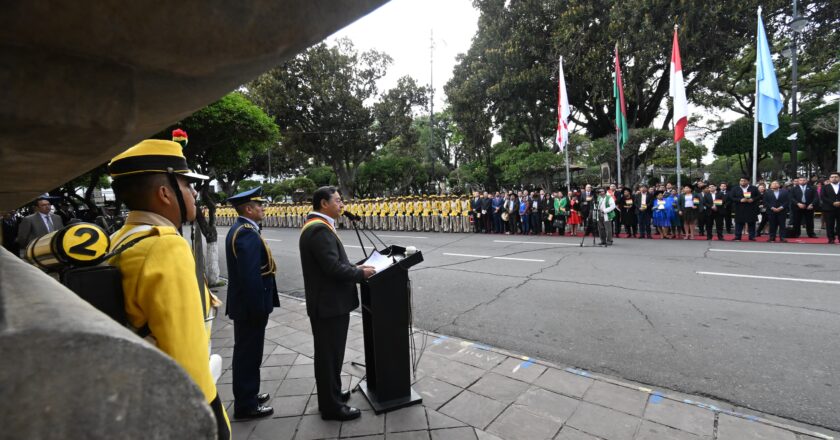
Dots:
pixel 677 92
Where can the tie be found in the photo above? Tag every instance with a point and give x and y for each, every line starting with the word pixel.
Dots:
pixel 803 194
pixel 49 223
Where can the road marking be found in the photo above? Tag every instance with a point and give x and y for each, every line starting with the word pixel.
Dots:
pixel 776 252
pixel 352 246
pixel 801 280
pixel 403 236
pixel 467 255
pixel 536 242
pixel 519 259
pixel 497 258
pixel 271 239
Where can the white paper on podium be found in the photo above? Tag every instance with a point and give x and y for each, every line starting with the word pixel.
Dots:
pixel 378 261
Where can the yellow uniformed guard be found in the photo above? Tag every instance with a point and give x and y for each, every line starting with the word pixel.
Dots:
pixel 465 214
pixel 445 210
pixel 427 211
pixel 166 298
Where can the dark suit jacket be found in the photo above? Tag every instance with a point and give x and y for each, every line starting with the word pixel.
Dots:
pixel 770 201
pixel 746 212
pixel 250 295
pixel 637 202
pixel 33 227
pixel 796 195
pixel 328 276
pixel 828 197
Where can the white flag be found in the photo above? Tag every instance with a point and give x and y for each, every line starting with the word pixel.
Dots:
pixel 563 111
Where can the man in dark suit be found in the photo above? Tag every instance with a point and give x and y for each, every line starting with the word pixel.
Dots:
pixel 718 213
pixel 726 209
pixel 707 217
pixel 745 200
pixel 776 204
pixel 643 202
pixel 38 224
pixel 329 280
pixel 585 201
pixel 251 296
pixel 803 197
pixel 486 210
pixel 830 205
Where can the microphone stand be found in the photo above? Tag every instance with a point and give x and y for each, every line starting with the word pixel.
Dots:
pixel 356 228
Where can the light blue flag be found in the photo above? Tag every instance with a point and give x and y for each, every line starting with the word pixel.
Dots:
pixel 769 101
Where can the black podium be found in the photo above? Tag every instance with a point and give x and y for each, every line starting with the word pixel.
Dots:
pixel 385 320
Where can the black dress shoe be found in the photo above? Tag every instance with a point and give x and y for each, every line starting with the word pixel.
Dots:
pixel 256 413
pixel 751 239
pixel 263 398
pixel 812 236
pixel 782 240
pixel 343 414
pixel 345 396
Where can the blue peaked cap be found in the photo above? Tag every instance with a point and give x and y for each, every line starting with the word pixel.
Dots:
pixel 252 195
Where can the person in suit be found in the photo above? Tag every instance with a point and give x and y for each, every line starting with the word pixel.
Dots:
pixel 745 200
pixel 329 280
pixel 830 204
pixel 585 201
pixel 726 209
pixel 475 211
pixel 718 211
pixel 486 206
pixel 707 216
pixel 643 202
pixel 776 203
pixel 39 223
pixel 251 296
pixel 803 201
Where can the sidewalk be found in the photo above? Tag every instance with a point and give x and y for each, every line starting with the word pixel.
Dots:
pixel 471 391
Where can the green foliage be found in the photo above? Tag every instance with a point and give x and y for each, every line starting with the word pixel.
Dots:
pixel 225 138
pixel 245 185
pixel 321 100
pixel 388 175
pixel 322 176
pixel 292 185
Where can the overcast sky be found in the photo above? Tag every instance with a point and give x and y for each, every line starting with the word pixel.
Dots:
pixel 403 28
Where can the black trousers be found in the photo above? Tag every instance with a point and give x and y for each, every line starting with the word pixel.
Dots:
pixel 708 221
pixel 832 222
pixel 536 222
pixel 777 221
pixel 248 340
pixel 719 224
pixel 330 338
pixel 800 215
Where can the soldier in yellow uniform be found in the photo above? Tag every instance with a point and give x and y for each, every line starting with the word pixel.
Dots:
pixel 427 211
pixel 166 300
pixel 465 214
pixel 445 211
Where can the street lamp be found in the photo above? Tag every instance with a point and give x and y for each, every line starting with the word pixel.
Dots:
pixel 797 25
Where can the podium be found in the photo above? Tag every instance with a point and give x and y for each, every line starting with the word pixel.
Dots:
pixel 385 321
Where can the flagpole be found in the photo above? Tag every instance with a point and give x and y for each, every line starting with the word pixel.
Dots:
pixel 755 123
pixel 568 176
pixel 618 155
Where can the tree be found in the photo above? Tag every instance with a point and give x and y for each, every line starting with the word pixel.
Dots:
pixel 322 101
pixel 223 139
pixel 737 141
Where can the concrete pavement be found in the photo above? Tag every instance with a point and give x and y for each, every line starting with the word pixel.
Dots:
pixel 640 310
pixel 473 391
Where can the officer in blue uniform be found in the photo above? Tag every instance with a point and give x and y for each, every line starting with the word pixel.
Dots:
pixel 252 295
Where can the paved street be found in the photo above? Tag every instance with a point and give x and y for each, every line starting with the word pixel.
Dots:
pixel 661 313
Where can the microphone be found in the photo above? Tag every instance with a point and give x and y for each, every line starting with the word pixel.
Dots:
pixel 351 216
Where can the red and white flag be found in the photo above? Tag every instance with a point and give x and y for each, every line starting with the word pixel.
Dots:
pixel 563 111
pixel 678 92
